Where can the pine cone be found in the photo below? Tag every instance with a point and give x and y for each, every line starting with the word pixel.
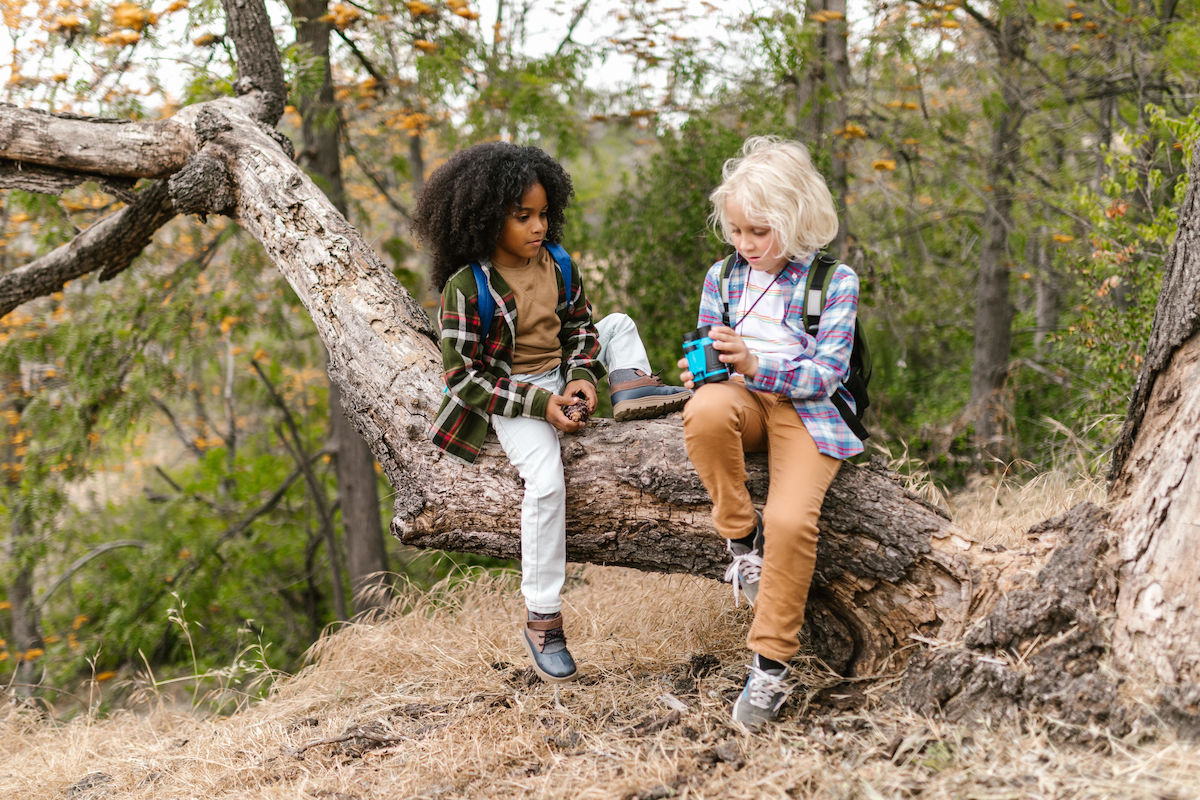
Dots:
pixel 577 411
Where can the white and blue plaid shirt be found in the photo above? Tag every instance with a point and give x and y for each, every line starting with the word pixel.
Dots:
pixel 810 378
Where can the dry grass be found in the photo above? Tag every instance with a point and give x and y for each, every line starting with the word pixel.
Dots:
pixel 437 703
pixel 998 510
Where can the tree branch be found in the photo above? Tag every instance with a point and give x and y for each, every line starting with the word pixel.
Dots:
pixel 361 57
pixel 81 562
pixel 234 530
pixel 180 433
pixel 259 65
pixel 110 246
pixel 48 180
pixel 95 146
pixel 576 18
pixel 374 178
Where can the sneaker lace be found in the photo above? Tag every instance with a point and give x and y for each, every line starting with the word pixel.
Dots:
pixel 745 568
pixel 767 691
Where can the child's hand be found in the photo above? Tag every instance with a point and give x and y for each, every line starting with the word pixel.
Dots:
pixel 685 376
pixel 733 350
pixel 584 388
pixel 557 417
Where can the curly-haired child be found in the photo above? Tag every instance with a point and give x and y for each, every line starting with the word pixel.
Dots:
pixel 498 205
pixel 775 209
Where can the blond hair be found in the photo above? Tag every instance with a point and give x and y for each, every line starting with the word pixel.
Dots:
pixel 775 183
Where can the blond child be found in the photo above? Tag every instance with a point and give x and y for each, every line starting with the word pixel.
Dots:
pixel 776 210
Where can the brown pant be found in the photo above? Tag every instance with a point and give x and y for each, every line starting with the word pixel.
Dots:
pixel 721 423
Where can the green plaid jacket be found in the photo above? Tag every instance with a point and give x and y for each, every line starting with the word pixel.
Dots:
pixel 477 366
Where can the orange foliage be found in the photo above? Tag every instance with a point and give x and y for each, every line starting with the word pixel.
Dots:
pixel 132 17
pixel 342 16
pixel 124 38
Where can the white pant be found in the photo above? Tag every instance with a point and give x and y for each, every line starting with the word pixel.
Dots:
pixel 532 447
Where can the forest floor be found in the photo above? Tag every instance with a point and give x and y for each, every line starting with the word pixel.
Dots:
pixel 435 700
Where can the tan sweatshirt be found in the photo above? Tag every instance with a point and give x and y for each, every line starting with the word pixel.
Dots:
pixel 535 286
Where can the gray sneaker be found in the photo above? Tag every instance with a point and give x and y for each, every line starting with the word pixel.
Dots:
pixel 547 646
pixel 746 568
pixel 763 696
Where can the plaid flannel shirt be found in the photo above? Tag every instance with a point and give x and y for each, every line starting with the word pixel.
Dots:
pixel 477 364
pixel 811 378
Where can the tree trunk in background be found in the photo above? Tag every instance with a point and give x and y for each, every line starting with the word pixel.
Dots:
pixel 810 83
pixel 18 570
pixel 358 492
pixel 26 621
pixel 1048 290
pixel 1156 476
pixel 820 99
pixel 836 52
pixel 993 307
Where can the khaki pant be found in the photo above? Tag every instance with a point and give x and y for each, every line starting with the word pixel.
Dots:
pixel 721 423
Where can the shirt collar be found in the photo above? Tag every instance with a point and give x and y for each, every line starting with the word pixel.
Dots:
pixel 791 272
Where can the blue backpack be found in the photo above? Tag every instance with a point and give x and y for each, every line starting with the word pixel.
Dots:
pixel 487 304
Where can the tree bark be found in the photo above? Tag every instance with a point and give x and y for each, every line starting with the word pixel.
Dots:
pixel 1156 479
pixel 129 150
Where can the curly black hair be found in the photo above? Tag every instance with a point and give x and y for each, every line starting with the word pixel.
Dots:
pixel 465 202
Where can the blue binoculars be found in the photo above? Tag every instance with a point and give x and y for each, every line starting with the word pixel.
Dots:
pixel 702 359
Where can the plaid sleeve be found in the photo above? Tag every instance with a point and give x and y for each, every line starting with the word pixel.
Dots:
pixel 820 374
pixel 471 360
pixel 581 343
pixel 710 297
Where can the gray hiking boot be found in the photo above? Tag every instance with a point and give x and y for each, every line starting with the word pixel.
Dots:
pixel 636 395
pixel 746 567
pixel 763 696
pixel 547 646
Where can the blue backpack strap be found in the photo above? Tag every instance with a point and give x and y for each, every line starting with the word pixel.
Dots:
pixel 563 259
pixel 487 305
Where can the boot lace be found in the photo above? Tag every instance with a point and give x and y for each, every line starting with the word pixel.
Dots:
pixel 553 636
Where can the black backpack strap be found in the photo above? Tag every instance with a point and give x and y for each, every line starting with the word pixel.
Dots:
pixel 848 416
pixel 816 290
pixel 726 269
